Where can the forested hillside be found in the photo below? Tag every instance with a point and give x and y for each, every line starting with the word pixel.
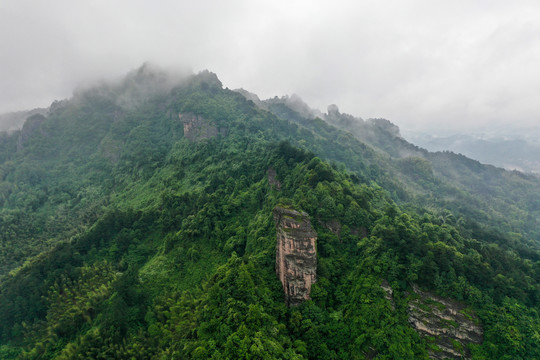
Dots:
pixel 506 200
pixel 137 222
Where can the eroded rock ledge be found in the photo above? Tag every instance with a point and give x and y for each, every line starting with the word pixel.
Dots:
pixel 197 128
pixel 296 254
pixel 447 325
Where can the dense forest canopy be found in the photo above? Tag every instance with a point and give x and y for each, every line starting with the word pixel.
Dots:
pixel 136 223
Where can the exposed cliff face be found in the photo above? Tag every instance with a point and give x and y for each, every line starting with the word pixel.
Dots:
pixel 447 325
pixel 388 293
pixel 272 179
pixel 296 256
pixel 197 128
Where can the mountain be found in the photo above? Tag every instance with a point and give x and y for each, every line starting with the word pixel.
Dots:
pixel 167 217
pixel 14 121
pixel 508 200
pixel 512 150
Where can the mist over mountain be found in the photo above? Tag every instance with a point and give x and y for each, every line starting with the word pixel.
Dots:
pixel 165 216
pixel 512 149
pixel 14 121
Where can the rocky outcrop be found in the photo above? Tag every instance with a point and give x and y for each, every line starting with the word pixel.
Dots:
pixel 388 293
pixel 447 325
pixel 296 255
pixel 272 179
pixel 252 97
pixel 197 128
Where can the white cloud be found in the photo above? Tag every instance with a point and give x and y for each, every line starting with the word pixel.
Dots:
pixel 422 64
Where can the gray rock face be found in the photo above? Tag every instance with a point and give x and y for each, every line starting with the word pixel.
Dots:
pixel 447 324
pixel 388 293
pixel 197 128
pixel 296 255
pixel 272 179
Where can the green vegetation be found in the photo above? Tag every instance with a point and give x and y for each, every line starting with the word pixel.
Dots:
pixel 122 239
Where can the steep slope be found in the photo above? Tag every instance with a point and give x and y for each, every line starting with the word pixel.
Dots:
pixel 296 254
pixel 507 201
pixel 165 244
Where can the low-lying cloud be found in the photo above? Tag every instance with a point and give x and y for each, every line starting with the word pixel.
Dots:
pixel 422 64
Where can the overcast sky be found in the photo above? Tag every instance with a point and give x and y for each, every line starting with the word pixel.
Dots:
pixel 423 64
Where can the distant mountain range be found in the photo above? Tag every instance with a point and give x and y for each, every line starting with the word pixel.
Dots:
pixel 511 149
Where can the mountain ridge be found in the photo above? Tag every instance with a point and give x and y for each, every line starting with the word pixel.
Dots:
pixel 452 168
pixel 121 237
